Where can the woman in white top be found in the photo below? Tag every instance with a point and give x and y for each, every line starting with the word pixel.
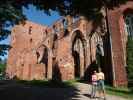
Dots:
pixel 101 87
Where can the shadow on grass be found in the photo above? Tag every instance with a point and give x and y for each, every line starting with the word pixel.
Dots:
pixel 124 92
pixel 38 90
pixel 47 84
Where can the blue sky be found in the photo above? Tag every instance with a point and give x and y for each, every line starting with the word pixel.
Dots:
pixel 36 16
pixel 39 16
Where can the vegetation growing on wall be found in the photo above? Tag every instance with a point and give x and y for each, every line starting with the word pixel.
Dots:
pixel 130 59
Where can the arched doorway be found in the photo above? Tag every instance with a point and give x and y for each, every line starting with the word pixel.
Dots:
pixel 96 52
pixel 100 55
pixel 126 29
pixel 42 58
pixel 128 18
pixel 127 40
pixel 78 53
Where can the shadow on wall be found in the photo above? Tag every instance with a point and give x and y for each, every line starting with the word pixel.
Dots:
pixel 77 63
pixel 56 73
pixel 66 32
pixel 89 71
pixel 55 89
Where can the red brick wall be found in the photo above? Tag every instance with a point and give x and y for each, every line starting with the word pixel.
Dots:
pixel 22 58
pixel 117 41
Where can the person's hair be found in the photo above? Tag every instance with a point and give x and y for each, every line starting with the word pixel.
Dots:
pixel 94 71
pixel 99 69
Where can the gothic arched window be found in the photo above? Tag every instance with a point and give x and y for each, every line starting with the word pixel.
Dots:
pixel 129 24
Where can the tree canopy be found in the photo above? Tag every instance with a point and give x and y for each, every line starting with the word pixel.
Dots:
pixel 11 11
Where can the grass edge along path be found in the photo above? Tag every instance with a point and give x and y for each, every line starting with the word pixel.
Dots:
pixel 122 92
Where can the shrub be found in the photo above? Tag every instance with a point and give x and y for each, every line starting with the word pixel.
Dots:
pixel 130 59
pixel 2 67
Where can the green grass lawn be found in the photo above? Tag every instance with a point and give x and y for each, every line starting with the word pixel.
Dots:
pixel 123 92
pixel 50 83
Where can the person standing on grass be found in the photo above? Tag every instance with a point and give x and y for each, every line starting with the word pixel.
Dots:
pixel 101 87
pixel 94 84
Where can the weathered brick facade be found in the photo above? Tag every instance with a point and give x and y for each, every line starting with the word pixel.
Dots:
pixel 67 49
pixel 119 39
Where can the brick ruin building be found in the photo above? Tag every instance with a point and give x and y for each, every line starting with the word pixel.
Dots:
pixel 67 49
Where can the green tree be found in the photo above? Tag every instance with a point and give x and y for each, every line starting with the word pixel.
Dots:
pixel 2 65
pixel 9 15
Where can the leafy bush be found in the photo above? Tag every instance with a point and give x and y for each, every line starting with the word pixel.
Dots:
pixel 2 67
pixel 130 59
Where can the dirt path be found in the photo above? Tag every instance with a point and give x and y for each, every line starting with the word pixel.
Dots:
pixel 14 91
